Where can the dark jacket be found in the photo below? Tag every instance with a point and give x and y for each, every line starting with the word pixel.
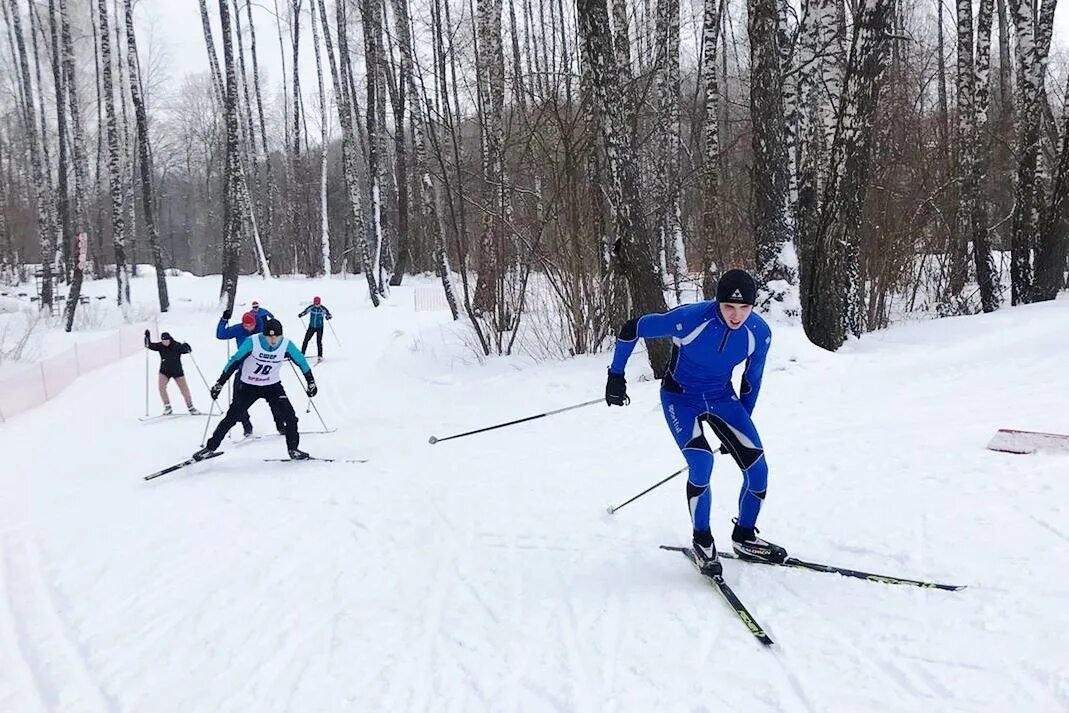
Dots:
pixel 170 357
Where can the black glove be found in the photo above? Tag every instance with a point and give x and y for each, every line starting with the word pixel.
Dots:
pixel 312 389
pixel 147 338
pixel 189 349
pixel 228 313
pixel 330 316
pixel 616 390
pixel 217 388
pixel 724 450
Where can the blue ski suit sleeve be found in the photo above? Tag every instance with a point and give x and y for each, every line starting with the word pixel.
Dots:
pixel 755 365
pixel 235 361
pixel 653 326
pixel 295 354
pixel 225 332
pixel 304 311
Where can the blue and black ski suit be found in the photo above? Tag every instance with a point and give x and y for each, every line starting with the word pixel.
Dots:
pixel 697 389
pixel 316 316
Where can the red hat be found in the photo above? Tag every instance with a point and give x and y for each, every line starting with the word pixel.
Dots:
pixel 315 300
pixel 248 318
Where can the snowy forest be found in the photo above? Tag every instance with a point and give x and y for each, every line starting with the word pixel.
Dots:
pixel 865 158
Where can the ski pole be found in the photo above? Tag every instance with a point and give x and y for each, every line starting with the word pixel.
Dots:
pixel 201 373
pixel 334 333
pixel 208 421
pixel 611 510
pixel 311 404
pixel 434 439
pixel 146 381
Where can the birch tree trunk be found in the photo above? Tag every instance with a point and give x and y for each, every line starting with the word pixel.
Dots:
pixel 114 162
pixel 1033 43
pixel 775 245
pixel 986 273
pixel 324 231
pixel 669 125
pixel 420 130
pixel 29 115
pixel 145 159
pixel 81 170
pixel 232 169
pixel 711 223
pixel 488 300
pixel 64 231
pixel 350 170
pixel 633 249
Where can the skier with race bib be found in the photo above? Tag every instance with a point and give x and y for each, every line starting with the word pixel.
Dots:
pixel 260 359
pixel 709 339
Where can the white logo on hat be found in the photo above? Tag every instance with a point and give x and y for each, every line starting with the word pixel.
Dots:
pixel 737 295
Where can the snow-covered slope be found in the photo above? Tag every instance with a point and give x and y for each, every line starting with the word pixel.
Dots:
pixel 483 574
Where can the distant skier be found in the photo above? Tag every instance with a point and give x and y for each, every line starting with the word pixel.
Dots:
pixel 316 312
pixel 708 340
pixel 261 314
pixel 171 368
pixel 239 333
pixel 260 360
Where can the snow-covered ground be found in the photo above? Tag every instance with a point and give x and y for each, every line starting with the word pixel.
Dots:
pixel 483 574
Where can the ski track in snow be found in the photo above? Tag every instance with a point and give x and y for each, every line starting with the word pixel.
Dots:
pixel 482 574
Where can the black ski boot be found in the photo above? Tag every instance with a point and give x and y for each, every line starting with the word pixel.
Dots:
pixel 749 546
pixel 705 553
pixel 296 454
pixel 203 453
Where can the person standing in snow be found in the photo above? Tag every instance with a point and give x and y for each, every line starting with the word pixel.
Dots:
pixel 260 360
pixel 709 339
pixel 171 368
pixel 316 312
pixel 261 314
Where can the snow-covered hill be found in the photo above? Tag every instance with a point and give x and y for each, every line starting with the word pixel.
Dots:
pixel 483 574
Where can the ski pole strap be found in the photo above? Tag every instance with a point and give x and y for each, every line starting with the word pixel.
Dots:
pixel 433 439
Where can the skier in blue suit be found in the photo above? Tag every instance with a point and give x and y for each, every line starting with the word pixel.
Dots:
pixel 317 312
pixel 262 314
pixel 709 339
pixel 239 333
pixel 260 360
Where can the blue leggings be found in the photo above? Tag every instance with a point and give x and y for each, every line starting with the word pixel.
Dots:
pixel 732 425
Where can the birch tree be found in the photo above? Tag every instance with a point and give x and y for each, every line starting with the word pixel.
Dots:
pixel 711 223
pixel 668 114
pixel 145 160
pixel 81 168
pixel 633 250
pixel 29 115
pixel 118 223
pixel 232 169
pixel 324 231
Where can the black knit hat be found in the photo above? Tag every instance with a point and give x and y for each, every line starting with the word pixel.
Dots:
pixel 165 336
pixel 273 328
pixel 736 287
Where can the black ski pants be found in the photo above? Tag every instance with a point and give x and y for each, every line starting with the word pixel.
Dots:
pixel 318 332
pixel 276 398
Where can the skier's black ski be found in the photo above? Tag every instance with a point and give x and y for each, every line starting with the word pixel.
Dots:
pixel 843 571
pixel 728 595
pixel 165 416
pixel 183 464
pixel 261 436
pixel 321 460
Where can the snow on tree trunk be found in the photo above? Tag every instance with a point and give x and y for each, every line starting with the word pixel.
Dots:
pixel 213 59
pixel 64 231
pixel 400 105
pixel 633 248
pixel 145 158
pixel 122 276
pixel 370 11
pixel 1052 248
